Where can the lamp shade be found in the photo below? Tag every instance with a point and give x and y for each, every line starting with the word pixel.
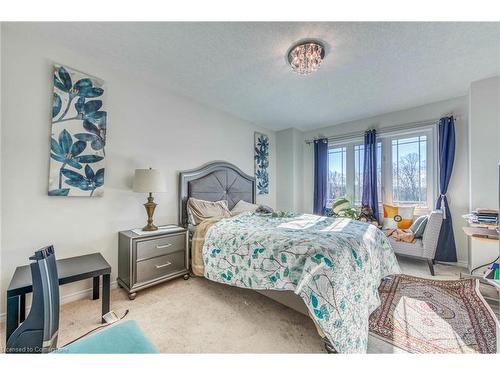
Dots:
pixel 149 181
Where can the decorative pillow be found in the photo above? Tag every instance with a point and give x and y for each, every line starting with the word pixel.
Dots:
pixel 199 210
pixel 340 204
pixel 243 206
pixel 397 217
pixel 418 226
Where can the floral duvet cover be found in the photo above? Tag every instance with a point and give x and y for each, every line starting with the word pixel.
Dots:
pixel 334 265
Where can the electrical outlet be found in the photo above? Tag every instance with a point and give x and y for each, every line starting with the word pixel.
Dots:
pixel 110 317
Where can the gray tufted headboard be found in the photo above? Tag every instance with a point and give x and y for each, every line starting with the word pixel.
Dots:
pixel 214 181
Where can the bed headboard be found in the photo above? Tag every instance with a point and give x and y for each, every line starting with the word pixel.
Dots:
pixel 214 181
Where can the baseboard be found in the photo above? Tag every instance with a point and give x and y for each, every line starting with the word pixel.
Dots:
pixel 458 263
pixel 71 297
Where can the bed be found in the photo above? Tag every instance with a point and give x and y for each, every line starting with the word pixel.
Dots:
pixel 327 268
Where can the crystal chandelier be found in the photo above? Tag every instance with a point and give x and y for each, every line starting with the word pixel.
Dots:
pixel 306 57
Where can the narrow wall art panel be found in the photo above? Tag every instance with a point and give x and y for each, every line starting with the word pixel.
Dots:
pixel 78 134
pixel 262 163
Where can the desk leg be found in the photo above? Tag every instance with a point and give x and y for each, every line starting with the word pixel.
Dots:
pixel 105 294
pixel 22 308
pixel 95 287
pixel 12 320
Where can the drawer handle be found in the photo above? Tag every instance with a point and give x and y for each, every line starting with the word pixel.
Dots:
pixel 163 265
pixel 163 246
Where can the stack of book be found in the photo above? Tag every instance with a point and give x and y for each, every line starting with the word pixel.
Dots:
pixel 483 217
pixel 486 216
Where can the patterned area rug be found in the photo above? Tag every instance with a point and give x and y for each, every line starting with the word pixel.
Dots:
pixel 434 316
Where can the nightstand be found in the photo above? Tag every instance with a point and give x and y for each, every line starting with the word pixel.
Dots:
pixel 150 258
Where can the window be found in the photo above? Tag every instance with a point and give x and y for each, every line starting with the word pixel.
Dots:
pixel 409 171
pixel 406 169
pixel 336 173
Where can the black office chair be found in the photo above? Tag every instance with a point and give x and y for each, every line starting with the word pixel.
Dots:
pixel 38 333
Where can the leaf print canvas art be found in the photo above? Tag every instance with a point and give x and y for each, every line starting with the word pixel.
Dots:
pixel 262 163
pixel 78 137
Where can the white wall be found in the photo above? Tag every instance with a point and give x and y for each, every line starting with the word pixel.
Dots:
pixel 147 126
pixel 289 155
pixel 458 189
pixel 484 142
pixel 298 181
pixel 285 172
pixel 1 27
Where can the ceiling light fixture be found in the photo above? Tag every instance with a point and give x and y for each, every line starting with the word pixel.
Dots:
pixel 306 57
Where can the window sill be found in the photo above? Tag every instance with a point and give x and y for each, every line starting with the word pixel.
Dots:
pixel 420 211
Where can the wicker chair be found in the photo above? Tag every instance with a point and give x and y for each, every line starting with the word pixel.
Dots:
pixel 424 248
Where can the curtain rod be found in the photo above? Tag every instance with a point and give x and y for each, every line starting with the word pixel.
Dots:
pixel 384 130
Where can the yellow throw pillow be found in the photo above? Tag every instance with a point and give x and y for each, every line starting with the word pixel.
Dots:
pixel 397 217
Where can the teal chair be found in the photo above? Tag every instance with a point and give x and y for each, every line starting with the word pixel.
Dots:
pixel 122 338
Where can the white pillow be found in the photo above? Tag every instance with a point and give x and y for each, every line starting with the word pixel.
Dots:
pixel 243 206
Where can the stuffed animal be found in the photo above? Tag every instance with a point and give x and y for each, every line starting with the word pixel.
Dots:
pixel 366 215
pixel 263 209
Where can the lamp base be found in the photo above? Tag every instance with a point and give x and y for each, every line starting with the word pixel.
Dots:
pixel 149 228
pixel 150 209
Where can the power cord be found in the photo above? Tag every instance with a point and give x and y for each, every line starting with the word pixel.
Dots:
pixel 484 265
pixel 96 329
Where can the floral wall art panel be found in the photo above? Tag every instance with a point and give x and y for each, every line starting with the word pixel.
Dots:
pixel 78 139
pixel 262 163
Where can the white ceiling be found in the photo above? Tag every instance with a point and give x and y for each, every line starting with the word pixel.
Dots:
pixel 240 68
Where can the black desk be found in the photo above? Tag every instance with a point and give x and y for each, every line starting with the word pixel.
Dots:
pixel 69 270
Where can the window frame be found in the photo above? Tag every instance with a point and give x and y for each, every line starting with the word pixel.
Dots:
pixel 334 146
pixel 349 146
pixel 386 188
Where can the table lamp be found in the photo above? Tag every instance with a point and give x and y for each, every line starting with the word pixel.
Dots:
pixel 149 181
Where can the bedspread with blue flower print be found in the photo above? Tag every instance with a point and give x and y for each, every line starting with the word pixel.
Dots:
pixel 334 265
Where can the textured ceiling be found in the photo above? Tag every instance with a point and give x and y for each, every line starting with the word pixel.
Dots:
pixel 240 68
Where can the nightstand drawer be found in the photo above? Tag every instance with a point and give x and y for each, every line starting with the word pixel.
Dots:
pixel 151 269
pixel 161 246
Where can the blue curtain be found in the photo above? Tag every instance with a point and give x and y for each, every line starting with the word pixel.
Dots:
pixel 446 248
pixel 369 197
pixel 320 175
